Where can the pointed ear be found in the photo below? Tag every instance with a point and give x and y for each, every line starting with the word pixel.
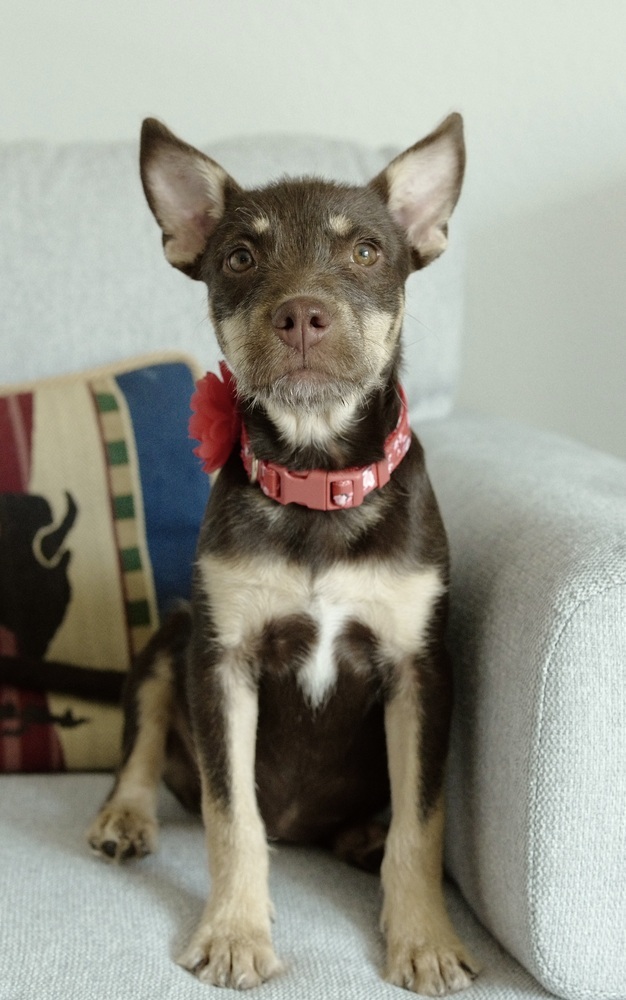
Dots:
pixel 185 190
pixel 422 186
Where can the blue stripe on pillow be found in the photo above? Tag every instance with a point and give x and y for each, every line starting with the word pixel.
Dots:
pixel 175 490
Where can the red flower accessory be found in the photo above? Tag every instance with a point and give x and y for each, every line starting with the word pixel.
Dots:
pixel 216 421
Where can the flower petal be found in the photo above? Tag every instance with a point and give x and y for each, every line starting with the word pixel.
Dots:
pixel 215 421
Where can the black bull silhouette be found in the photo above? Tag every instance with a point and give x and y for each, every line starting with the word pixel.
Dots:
pixel 34 586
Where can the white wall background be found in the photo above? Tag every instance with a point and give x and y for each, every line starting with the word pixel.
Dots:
pixel 542 86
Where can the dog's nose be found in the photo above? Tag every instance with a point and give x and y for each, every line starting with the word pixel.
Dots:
pixel 301 322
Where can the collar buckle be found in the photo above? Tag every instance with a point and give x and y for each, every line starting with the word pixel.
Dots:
pixel 318 489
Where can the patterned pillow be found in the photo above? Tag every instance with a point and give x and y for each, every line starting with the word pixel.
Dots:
pixel 101 499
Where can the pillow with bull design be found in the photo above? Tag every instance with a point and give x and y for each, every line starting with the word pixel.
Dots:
pixel 101 500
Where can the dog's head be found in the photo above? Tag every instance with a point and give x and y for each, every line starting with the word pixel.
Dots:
pixel 306 277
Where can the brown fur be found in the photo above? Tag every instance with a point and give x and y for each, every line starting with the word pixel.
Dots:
pixel 311 678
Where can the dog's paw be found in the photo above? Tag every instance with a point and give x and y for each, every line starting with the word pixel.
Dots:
pixel 120 832
pixel 239 959
pixel 433 970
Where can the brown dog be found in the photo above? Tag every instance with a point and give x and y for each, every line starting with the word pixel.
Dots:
pixel 311 674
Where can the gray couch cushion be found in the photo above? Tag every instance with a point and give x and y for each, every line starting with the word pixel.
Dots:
pixel 74 928
pixel 536 833
pixel 83 280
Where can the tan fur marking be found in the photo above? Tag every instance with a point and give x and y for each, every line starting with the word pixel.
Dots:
pixel 128 818
pixel 261 224
pixel 245 594
pixel 236 837
pixel 232 943
pixel 340 224
pixel 234 331
pixel 424 953
pixel 395 328
pixel 144 767
pixel 395 605
pixel 376 330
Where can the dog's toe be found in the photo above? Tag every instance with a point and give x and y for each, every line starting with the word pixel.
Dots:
pixel 121 832
pixel 236 959
pixel 431 970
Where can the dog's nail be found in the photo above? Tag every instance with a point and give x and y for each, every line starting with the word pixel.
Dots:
pixel 109 847
pixel 472 973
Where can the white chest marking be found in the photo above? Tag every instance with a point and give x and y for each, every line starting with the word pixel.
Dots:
pixel 319 674
pixel 300 429
pixel 246 594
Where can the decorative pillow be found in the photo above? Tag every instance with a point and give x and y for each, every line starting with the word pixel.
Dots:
pixel 101 500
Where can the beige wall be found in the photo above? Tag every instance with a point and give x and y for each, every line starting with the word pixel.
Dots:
pixel 542 85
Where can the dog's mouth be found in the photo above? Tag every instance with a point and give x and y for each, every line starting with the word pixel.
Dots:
pixel 304 373
pixel 317 380
pixel 304 386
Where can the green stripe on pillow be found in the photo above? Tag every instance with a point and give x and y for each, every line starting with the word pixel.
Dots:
pixel 106 402
pixel 123 507
pixel 117 453
pixel 131 559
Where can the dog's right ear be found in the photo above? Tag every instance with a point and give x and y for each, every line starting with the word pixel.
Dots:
pixel 185 190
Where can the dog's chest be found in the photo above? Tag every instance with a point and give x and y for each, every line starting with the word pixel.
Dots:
pixel 350 616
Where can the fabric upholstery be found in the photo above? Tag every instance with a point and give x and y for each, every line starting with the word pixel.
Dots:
pixel 74 927
pixel 83 280
pixel 536 836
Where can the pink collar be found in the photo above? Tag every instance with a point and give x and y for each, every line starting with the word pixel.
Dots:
pixel 216 424
pixel 321 490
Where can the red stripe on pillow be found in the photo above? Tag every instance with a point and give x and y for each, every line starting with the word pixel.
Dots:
pixel 16 429
pixel 28 738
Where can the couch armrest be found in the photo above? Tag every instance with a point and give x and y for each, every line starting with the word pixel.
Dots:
pixel 536 834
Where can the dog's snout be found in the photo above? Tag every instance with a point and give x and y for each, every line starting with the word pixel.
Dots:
pixel 301 322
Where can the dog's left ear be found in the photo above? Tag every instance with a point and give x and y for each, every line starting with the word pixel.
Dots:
pixel 422 186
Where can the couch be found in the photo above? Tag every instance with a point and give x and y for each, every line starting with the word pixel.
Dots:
pixel 536 787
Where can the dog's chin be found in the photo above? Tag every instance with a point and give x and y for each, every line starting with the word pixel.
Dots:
pixel 310 389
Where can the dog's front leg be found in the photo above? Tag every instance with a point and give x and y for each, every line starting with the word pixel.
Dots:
pixel 232 944
pixel 423 951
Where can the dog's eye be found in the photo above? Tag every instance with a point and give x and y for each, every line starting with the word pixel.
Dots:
pixel 365 254
pixel 240 260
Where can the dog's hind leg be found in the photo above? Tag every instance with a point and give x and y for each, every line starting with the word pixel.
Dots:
pixel 126 825
pixel 362 845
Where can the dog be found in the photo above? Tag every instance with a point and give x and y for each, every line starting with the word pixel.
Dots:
pixel 308 684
